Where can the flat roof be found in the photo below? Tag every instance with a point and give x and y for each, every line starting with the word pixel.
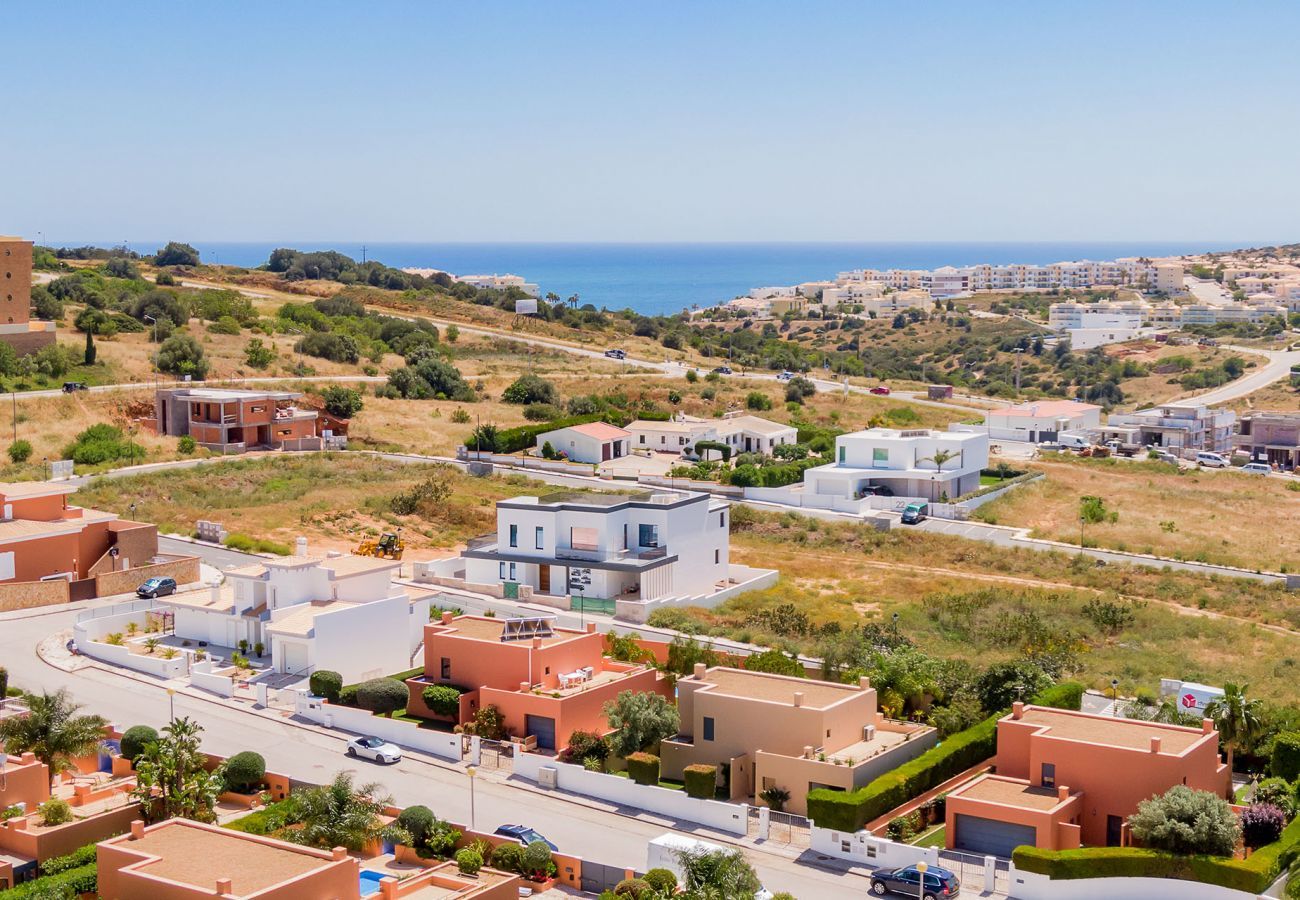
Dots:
pixel 755 424
pixel 20 489
pixel 202 600
pixel 482 628
pixel 1041 408
pixel 1011 792
pixel 651 425
pixel 302 620
pixel 192 854
pixel 775 688
pixel 1110 730
pixel 19 529
pixel 342 565
pixel 202 394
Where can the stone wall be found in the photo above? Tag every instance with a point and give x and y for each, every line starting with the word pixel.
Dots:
pixel 185 570
pixel 29 341
pixel 31 594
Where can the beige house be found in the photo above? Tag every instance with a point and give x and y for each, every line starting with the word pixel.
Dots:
pixel 763 731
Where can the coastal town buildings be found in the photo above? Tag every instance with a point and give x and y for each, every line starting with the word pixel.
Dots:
pixel 1066 779
pixel 16 326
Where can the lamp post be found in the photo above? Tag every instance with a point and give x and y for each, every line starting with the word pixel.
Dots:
pixel 895 627
pixel 1081 521
pixel 471 771
pixel 132 509
pixel 921 868
pixel 1114 697
pixel 171 704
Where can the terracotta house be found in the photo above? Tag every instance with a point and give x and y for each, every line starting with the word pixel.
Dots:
pixel 763 730
pixel 16 327
pixel 234 421
pixel 548 682
pixel 1066 779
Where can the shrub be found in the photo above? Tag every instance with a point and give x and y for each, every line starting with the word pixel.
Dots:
pixel 224 325
pixel 775 797
pixel 1261 823
pixel 1285 761
pixel 507 857
pixel 327 684
pixel 643 768
pixel 418 822
pixel 636 888
pixel 181 354
pixel 55 812
pixel 134 739
pixel 528 389
pixel 245 771
pixel 340 348
pixel 341 402
pixel 101 443
pixel 1278 792
pixel 20 451
pixel 536 859
pixel 382 696
pixel 662 880
pixel 757 400
pixel 1186 821
pixel 442 699
pixel 490 723
pixel 701 781
pixel 257 355
pixel 70 883
pixel 468 861
pixel 82 856
pixel 585 745
pixel 186 444
pixel 640 720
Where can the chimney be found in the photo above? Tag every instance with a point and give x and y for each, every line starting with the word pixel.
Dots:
pixel 537 643
pixel 1155 744
pixel 214 591
pixel 224 887
pixel 523 687
pixel 807 752
pixel 339 853
pixel 1018 710
pixel 700 670
pixel 27 758
pixel 798 699
pixel 448 617
pixel 591 628
pixel 300 547
pixel 1062 793
pixel 1207 726
pixel 864 683
pixel 137 829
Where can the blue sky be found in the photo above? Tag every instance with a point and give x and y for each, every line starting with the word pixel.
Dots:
pixel 653 121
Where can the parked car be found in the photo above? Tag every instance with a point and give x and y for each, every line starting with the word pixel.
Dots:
pixel 72 386
pixel 374 748
pixel 915 513
pixel 1257 468
pixel 156 587
pixel 876 490
pixel 939 883
pixel 785 376
pixel 524 835
pixel 723 370
pixel 880 389
pixel 1167 457
pixel 1212 460
pixel 615 353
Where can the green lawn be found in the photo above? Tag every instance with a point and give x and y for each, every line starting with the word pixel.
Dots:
pixel 935 837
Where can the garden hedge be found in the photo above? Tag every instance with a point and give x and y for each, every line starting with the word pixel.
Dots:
pixel 850 810
pixel 701 781
pixel 245 771
pixel 643 768
pixel 81 880
pixel 1252 875
pixel 134 739
pixel 442 699
pixel 327 684
pixel 1285 761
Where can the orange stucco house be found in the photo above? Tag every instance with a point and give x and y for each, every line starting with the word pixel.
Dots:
pixel 548 682
pixel 234 421
pixel 1066 779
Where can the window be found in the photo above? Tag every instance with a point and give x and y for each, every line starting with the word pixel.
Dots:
pixel 648 535
pixel 624 535
pixel 514 535
pixel 501 571
pixel 446 667
pixel 722 520
pixel 717 556
pixel 879 456
pixel 539 537
pixel 708 728
pixel 513 574
pixel 641 439
pixel 1048 779
pixel 845 846
pixel 258 409
pixel 841 457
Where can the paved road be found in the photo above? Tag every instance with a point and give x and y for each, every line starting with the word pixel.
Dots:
pixel 1277 367
pixel 1208 291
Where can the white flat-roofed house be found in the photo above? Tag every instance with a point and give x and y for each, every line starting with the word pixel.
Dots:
pixel 910 463
pixel 606 546
pixel 1041 420
pixel 751 434
pixel 499 283
pixel 678 435
pixel 594 442
pixel 310 612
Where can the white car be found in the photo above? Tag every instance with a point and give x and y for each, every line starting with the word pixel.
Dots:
pixel 1257 468
pixel 1212 460
pixel 785 376
pixel 374 748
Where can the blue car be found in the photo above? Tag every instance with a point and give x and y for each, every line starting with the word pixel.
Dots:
pixel 939 883
pixel 524 835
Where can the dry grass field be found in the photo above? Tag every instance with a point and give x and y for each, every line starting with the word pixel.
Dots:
pixel 1213 516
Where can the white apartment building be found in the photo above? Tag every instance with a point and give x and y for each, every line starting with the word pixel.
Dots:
pixel 904 462
pixel 1175 426
pixel 1123 320
pixel 948 280
pixel 646 546
pixel 500 283
pixel 341 613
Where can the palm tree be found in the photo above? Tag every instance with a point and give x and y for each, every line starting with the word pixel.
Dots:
pixel 717 875
pixel 52 730
pixel 339 814
pixel 1236 716
pixel 940 457
pixel 172 778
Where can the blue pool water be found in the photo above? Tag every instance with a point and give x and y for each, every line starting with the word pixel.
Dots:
pixel 370 882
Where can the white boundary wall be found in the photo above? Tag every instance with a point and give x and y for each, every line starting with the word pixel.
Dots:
pixel 122 656
pixel 359 721
pixel 868 850
pixel 203 675
pixel 729 817
pixel 1031 886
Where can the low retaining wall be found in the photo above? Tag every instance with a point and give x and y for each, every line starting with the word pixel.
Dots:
pixel 185 570
pixel 31 594
pixel 205 675
pixel 405 734
pixel 527 462
pixel 1032 886
pixel 122 656
pixel 864 848
pixel 729 817
pixel 748 578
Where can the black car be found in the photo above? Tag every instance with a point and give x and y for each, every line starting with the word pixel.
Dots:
pixel 156 587
pixel 723 370
pixel 876 490
pixel 524 835
pixel 73 386
pixel 939 883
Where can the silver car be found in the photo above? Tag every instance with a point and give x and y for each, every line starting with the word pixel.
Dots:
pixel 374 748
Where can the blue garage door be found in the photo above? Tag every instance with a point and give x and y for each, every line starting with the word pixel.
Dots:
pixel 543 728
pixel 979 835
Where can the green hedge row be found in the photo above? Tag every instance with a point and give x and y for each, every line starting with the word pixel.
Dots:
pixel 850 810
pixel 524 437
pixel 1252 875
pixel 81 880
pixel 82 856
pixel 701 781
pixel 643 768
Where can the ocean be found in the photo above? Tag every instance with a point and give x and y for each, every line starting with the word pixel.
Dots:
pixel 667 278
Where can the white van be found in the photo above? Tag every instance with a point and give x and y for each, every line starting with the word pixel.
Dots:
pixel 1074 440
pixel 1212 460
pixel 1257 468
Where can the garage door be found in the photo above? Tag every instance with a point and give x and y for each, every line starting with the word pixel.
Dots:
pixel 543 728
pixel 295 658
pixel 977 835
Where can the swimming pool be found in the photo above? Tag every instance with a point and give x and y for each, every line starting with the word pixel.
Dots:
pixel 370 882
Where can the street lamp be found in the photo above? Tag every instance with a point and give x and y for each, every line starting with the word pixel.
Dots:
pixel 171 704
pixel 1081 521
pixel 1114 696
pixel 132 509
pixel 921 868
pixel 895 626
pixel 471 771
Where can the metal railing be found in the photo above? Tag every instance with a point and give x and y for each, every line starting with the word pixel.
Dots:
pixel 115 610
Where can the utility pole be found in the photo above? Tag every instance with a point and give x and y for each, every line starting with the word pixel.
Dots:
pixel 1020 355
pixel 363 254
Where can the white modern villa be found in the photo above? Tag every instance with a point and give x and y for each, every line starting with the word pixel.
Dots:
pixel 624 552
pixel 741 432
pixel 908 463
pixel 309 612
